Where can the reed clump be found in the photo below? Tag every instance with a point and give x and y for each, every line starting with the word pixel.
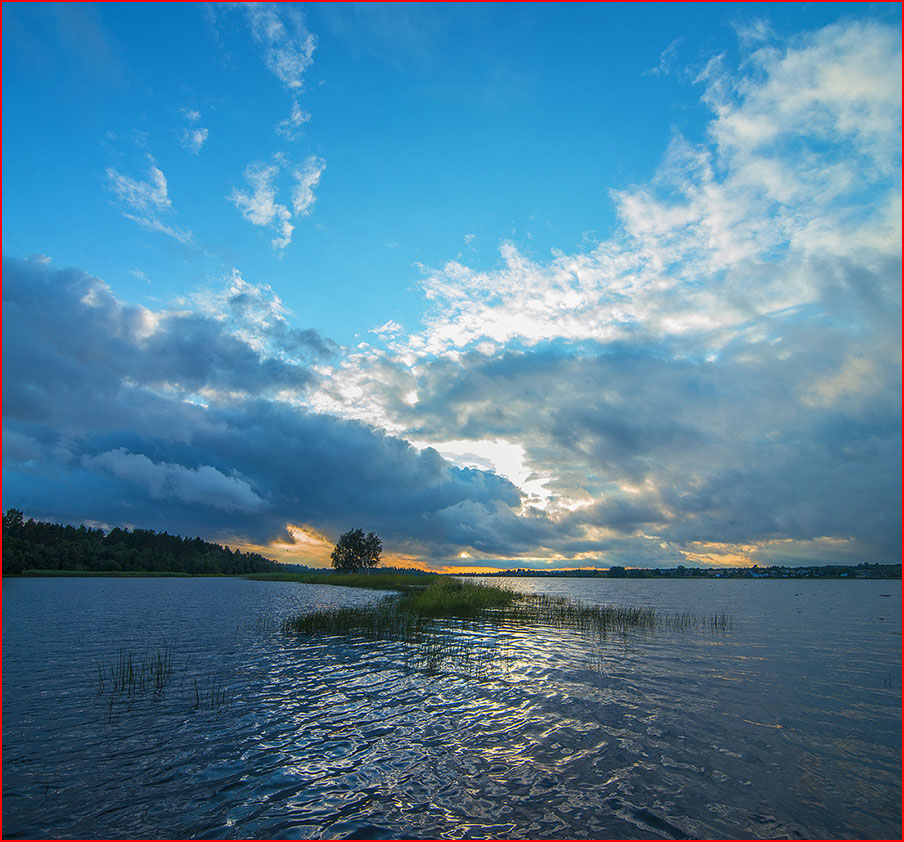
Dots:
pixel 456 647
pixel 385 619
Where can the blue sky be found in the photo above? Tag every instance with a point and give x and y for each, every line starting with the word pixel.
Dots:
pixel 520 285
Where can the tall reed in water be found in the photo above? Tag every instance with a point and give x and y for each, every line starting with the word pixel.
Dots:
pixel 131 673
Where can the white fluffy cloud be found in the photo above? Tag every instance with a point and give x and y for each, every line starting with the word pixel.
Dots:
pixel 203 485
pixel 801 160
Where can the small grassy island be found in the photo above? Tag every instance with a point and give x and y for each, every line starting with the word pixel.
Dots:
pixel 453 599
pixel 434 615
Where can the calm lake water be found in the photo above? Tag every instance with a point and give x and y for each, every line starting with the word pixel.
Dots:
pixel 788 725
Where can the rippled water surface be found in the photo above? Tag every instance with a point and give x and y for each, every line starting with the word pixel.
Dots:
pixel 787 725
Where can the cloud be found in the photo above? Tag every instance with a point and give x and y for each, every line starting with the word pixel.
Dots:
pixel 290 127
pixel 666 59
pixel 307 177
pixel 643 448
pixel 144 202
pixel 193 139
pixel 81 335
pixel 800 162
pixel 260 206
pixel 288 46
pixel 204 485
pixel 753 31
pixel 171 419
pixel 716 381
pixel 387 329
pixel 147 197
pixel 258 317
pixel 288 52
pixel 725 367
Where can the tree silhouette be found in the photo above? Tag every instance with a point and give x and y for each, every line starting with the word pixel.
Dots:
pixel 354 550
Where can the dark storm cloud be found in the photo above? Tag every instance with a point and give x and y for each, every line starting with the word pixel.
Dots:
pixel 65 332
pixel 99 425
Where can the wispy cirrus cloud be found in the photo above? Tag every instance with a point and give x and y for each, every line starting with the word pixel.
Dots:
pixel 193 139
pixel 145 202
pixel 290 127
pixel 307 177
pixel 666 59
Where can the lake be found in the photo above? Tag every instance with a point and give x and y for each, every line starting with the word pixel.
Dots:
pixel 786 725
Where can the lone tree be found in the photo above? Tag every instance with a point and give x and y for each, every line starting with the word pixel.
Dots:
pixel 353 551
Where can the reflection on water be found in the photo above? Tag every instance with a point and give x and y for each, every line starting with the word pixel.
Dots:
pixel 789 725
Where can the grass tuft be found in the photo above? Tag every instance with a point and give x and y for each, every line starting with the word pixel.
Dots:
pixel 210 693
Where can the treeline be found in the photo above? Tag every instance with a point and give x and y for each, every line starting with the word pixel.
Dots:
pixel 864 570
pixel 37 545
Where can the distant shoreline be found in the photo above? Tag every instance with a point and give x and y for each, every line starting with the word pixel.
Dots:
pixel 327 575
